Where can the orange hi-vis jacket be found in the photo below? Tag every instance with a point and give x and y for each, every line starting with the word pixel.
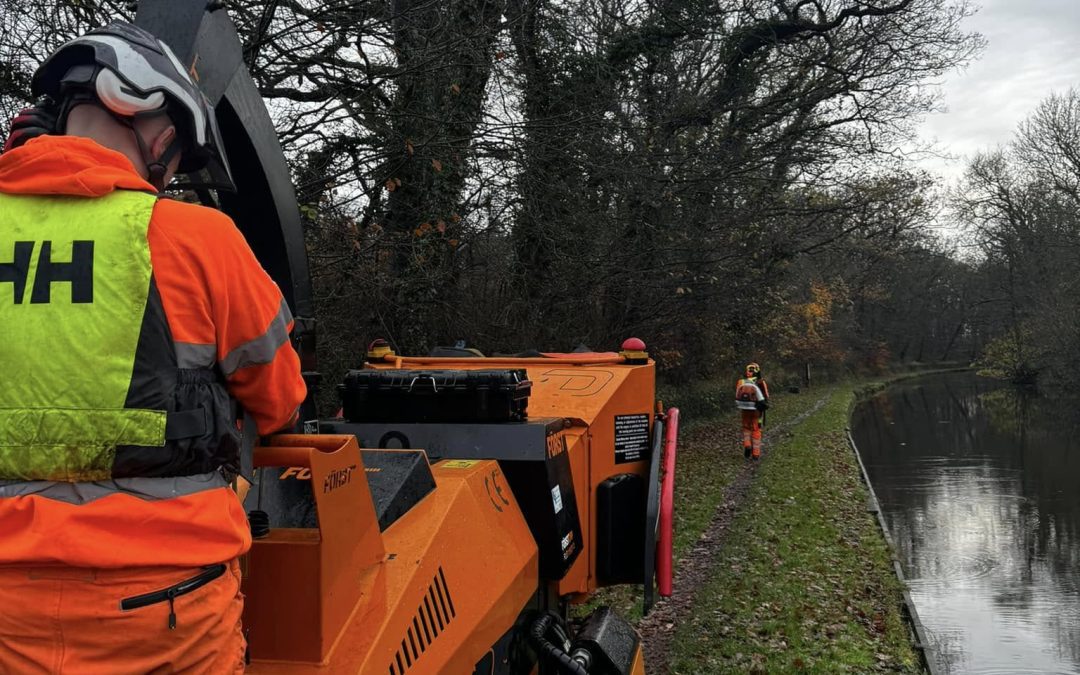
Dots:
pixel 131 503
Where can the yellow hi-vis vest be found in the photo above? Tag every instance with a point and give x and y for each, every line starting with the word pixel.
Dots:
pixel 75 275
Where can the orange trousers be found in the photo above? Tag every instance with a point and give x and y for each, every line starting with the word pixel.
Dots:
pixel 68 620
pixel 751 432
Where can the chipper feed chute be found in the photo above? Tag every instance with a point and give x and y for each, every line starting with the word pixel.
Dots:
pixel 393 589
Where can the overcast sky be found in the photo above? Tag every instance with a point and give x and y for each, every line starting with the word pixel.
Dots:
pixel 1033 49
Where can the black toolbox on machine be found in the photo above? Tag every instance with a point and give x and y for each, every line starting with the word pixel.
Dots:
pixel 435 395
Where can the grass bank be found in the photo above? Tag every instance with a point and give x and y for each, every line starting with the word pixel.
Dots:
pixel 709 460
pixel 710 451
pixel 803 581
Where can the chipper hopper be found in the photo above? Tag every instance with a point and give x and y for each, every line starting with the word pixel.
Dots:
pixel 449 516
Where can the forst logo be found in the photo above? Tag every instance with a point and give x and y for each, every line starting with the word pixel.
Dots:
pixel 338 478
pixel 79 273
pixel 304 473
pixel 568 545
pixel 556 445
pixel 298 472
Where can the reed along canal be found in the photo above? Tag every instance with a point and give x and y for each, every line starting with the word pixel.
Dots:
pixel 979 484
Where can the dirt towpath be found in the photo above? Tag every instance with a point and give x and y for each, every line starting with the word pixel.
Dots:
pixel 692 570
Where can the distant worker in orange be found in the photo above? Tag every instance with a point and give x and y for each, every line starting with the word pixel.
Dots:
pixel 131 328
pixel 752 399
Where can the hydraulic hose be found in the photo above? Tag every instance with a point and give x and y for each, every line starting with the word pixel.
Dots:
pixel 550 652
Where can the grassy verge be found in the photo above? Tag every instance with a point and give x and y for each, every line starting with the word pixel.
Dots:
pixel 710 456
pixel 804 580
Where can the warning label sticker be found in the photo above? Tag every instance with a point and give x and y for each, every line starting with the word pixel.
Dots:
pixel 556 498
pixel 631 438
pixel 459 463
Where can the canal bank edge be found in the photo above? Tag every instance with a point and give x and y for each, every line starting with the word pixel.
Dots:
pixel 712 488
pixel 920 640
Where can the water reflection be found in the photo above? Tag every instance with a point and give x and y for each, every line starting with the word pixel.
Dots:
pixel 978 485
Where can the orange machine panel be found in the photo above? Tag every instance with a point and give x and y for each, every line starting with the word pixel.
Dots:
pixel 609 402
pixel 418 609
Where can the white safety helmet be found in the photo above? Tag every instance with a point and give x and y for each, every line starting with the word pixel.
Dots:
pixel 133 74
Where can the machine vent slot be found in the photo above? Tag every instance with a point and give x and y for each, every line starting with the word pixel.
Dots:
pixel 434 614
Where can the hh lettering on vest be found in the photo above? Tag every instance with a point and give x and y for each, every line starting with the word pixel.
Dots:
pixel 79 272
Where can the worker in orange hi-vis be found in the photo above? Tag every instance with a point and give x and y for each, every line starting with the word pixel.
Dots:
pixel 132 327
pixel 752 399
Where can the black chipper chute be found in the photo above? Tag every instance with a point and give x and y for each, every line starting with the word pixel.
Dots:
pixel 260 197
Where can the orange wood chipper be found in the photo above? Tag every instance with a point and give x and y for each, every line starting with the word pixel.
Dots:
pixel 531 492
pixel 457 506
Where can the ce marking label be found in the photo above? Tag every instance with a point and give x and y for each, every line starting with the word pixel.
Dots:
pixel 495 490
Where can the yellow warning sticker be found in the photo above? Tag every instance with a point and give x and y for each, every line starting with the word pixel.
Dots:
pixel 460 463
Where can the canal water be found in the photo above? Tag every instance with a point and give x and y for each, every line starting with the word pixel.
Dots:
pixel 979 484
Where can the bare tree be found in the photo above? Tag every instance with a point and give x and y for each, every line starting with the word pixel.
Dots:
pixel 540 172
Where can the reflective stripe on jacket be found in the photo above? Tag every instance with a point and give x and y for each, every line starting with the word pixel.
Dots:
pixel 116 411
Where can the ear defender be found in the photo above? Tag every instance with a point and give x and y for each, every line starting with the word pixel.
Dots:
pixel 123 100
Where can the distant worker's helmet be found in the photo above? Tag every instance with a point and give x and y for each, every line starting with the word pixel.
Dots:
pixel 132 74
pixel 753 370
